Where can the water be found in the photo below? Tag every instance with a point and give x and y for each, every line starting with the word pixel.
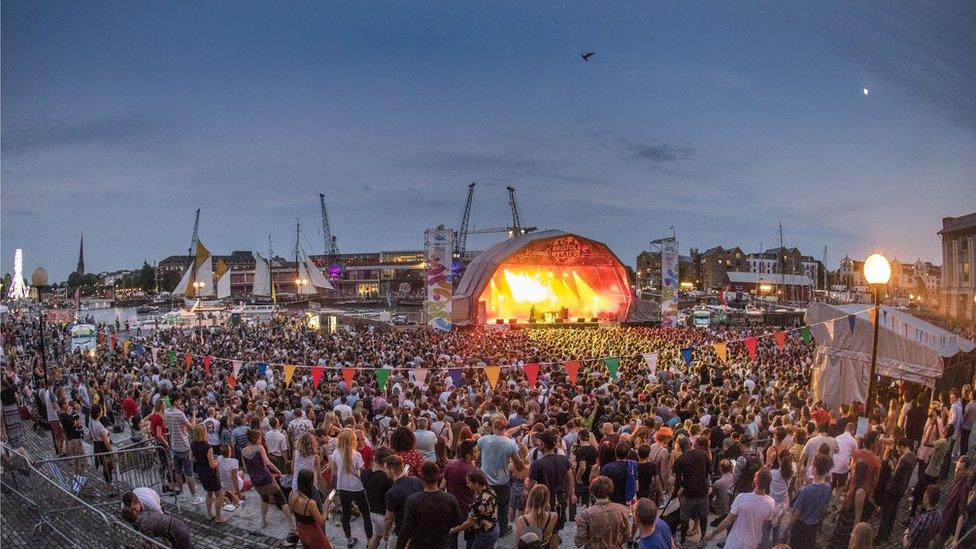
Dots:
pixel 108 316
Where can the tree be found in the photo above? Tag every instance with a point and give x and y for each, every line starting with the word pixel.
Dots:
pixel 169 280
pixel 146 277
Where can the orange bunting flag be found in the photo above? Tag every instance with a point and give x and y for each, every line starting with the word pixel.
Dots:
pixel 492 373
pixel 207 360
pixel 751 346
pixel 721 351
pixel 317 375
pixel 347 375
pixel 188 359
pixel 780 339
pixel 873 315
pixel 289 371
pixel 232 381
pixel 531 373
pixel 572 370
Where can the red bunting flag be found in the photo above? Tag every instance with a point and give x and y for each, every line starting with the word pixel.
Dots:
pixel 114 341
pixel 531 373
pixel 317 375
pixel 751 346
pixel 780 339
pixel 347 375
pixel 572 370
pixel 206 365
pixel 188 359
pixel 231 381
pixel 101 338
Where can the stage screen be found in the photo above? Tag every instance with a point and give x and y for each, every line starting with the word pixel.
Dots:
pixel 564 277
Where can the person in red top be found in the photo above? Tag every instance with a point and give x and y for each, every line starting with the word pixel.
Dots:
pixel 403 443
pixel 364 449
pixel 129 406
pixel 866 453
pixel 821 415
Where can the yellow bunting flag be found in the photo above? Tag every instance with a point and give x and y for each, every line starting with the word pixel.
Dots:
pixel 492 373
pixel 125 346
pixel 289 371
pixel 721 351
pixel 873 315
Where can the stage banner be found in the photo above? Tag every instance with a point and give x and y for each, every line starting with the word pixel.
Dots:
pixel 669 283
pixel 440 254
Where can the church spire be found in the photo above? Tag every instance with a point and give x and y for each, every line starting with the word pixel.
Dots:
pixel 81 256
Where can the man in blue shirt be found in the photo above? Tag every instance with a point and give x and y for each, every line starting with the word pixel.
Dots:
pixel 811 505
pixel 653 533
pixel 496 451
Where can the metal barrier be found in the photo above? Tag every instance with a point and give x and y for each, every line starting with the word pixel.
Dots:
pixel 51 493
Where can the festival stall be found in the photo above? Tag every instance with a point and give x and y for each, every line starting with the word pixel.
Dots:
pixel 909 349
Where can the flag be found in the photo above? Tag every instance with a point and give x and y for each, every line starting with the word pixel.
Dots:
pixel 78 297
pixel 125 346
pixel 154 351
pixel 829 326
pixel 274 294
pixel 531 373
pixel 114 341
pixel 491 372
pixel 101 338
pixel 236 367
pixel 188 359
pixel 850 320
pixel 207 360
pixel 382 374
pixel 780 339
pixel 347 375
pixel 651 359
pixel 289 372
pixel 806 334
pixel 572 370
pixel 171 357
pixel 262 369
pixel 751 346
pixel 455 374
pixel 687 354
pixel 613 364
pixel 419 376
pixel 232 381
pixel 873 315
pixel 721 351
pixel 317 375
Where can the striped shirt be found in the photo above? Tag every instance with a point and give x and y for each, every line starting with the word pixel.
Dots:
pixel 923 528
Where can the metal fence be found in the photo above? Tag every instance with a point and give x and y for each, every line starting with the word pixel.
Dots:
pixel 51 496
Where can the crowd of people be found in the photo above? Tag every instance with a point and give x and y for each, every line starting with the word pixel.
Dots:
pixel 430 459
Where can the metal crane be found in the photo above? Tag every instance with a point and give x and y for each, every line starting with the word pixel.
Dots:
pixel 461 236
pixel 196 234
pixel 331 246
pixel 516 229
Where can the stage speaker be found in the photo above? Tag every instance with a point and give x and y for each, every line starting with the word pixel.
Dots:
pixel 594 320
pixel 512 321
pixel 580 320
pixel 499 321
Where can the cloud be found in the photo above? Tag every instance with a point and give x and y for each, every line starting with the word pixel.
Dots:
pixel 36 135
pixel 450 160
pixel 661 153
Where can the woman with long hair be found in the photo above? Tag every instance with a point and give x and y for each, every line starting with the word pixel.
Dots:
pixel 309 519
pixel 779 490
pixel 259 467
pixel 306 457
pixel 346 463
pixel 862 536
pixel 537 514
pixel 404 444
pixel 206 468
pixel 857 507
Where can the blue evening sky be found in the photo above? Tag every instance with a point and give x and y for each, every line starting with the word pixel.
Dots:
pixel 119 119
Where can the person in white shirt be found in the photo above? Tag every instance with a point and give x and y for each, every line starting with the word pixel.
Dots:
pixel 343 409
pixel 346 464
pixel 213 430
pixel 846 445
pixel 149 498
pixel 749 514
pixel 813 447
pixel 276 443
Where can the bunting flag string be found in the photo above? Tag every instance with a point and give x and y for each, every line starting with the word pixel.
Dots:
pixel 751 344
pixel 613 365
pixel 289 372
pixel 206 365
pixel 262 369
pixel 188 360
pixel 806 334
pixel 531 373
pixel 572 370
pixel 232 381
pixel 171 357
pixel 721 351
pixel 492 373
pixel 347 375
pixel 455 374
pixel 687 354
pixel 420 376
pixel 780 339
pixel 317 375
pixel 382 374
pixel 236 367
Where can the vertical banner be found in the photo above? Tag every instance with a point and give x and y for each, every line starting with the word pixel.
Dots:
pixel 440 254
pixel 669 283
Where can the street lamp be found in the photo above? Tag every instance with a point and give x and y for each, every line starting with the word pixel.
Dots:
pixel 198 286
pixel 877 273
pixel 301 283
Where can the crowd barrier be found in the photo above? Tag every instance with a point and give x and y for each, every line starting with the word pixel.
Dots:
pixel 52 498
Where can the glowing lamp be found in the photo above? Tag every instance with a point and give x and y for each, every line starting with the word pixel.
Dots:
pixel 877 270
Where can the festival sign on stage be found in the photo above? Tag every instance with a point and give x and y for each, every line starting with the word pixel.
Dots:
pixel 440 252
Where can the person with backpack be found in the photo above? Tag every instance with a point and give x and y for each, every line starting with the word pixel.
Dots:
pixel 623 473
pixel 536 528
pixel 553 471
pixel 746 466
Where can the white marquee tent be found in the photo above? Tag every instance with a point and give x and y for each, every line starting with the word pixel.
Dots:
pixel 909 349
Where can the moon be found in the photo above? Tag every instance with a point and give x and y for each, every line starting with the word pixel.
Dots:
pixel 865 91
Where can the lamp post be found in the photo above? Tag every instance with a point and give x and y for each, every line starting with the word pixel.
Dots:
pixel 877 273
pixel 39 281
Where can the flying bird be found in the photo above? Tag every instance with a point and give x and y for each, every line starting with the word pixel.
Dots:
pixel 586 56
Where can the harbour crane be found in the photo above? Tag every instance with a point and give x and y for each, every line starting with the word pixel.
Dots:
pixel 461 236
pixel 331 245
pixel 196 234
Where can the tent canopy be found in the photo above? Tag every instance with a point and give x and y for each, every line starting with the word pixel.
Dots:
pixel 909 349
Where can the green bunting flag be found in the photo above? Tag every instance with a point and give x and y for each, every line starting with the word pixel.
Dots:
pixel 805 334
pixel 382 374
pixel 171 357
pixel 612 364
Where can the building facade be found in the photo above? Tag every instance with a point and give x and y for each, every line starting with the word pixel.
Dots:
pixel 648 272
pixel 717 261
pixel 958 254
pixel 791 261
